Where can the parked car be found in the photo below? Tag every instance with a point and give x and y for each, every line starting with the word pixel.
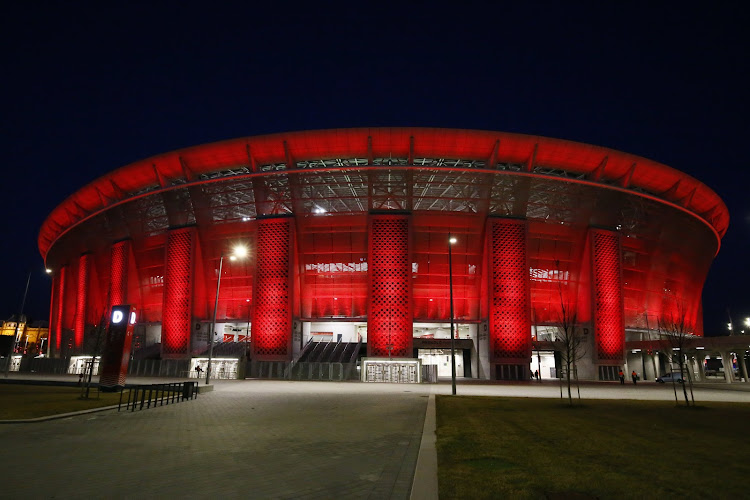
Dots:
pixel 670 377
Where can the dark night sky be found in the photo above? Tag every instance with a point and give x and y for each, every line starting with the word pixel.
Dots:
pixel 90 87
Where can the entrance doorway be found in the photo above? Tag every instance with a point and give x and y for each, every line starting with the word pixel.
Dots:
pixel 442 358
pixel 544 361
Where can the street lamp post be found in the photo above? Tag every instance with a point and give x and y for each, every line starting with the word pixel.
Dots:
pixel 451 241
pixel 238 253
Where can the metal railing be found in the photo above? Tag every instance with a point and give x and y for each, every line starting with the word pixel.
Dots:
pixel 140 396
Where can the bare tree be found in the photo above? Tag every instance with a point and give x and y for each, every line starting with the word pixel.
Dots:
pixel 676 334
pixel 570 340
pixel 95 344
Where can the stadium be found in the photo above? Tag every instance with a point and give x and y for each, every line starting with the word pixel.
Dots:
pixel 378 243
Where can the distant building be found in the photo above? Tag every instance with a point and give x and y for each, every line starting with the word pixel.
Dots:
pixel 348 235
pixel 30 338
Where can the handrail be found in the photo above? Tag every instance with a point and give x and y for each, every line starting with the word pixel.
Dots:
pixel 173 392
pixel 352 360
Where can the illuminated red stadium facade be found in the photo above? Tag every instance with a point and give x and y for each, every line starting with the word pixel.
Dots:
pixel 352 226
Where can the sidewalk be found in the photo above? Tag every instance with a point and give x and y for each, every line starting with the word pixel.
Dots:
pixel 271 439
pixel 260 439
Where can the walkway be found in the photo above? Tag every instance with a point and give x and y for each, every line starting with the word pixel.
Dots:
pixel 266 439
pixel 251 439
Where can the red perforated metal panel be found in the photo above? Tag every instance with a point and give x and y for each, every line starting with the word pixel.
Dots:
pixel 607 296
pixel 175 330
pixel 60 291
pixel 389 322
pixel 118 283
pixel 272 317
pixel 84 264
pixel 510 322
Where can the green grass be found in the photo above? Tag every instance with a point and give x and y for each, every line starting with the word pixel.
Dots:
pixel 537 448
pixel 30 401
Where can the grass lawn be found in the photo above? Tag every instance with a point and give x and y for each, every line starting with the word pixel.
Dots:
pixel 30 401
pixel 540 448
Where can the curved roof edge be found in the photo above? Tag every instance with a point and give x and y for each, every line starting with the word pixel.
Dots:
pixel 598 164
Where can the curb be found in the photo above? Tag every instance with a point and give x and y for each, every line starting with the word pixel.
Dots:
pixel 201 389
pixel 425 483
pixel 56 417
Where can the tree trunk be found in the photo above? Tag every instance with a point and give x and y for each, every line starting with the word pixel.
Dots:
pixel 684 389
pixel 690 381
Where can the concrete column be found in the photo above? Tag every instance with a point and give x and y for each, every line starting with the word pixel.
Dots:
pixel 743 366
pixel 698 368
pixel 649 372
pixel 726 361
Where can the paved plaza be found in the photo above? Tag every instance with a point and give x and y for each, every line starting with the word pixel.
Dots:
pixel 263 439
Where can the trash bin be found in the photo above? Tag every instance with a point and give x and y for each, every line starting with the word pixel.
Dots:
pixel 189 389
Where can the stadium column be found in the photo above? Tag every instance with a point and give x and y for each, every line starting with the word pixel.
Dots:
pixel 56 311
pixel 389 318
pixel 273 290
pixel 82 298
pixel 178 292
pixel 118 273
pixel 607 297
pixel 60 308
pixel 53 298
pixel 509 296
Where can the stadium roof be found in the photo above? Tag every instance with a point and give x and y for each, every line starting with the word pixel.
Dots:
pixel 483 151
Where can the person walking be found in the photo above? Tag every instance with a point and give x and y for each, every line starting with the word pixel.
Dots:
pixel 622 377
pixel 635 377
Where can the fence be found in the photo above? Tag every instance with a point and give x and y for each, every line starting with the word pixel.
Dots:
pixel 158 394
pixel 159 367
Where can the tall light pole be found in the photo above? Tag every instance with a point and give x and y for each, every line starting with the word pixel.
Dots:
pixel 239 252
pixel 451 241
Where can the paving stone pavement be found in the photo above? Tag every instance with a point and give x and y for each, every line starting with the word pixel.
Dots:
pixel 250 439
pixel 261 439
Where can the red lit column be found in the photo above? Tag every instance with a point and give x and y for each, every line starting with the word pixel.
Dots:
pixel 79 326
pixel 55 314
pixel 609 326
pixel 178 293
pixel 272 293
pixel 52 316
pixel 389 319
pixel 60 307
pixel 118 273
pixel 510 312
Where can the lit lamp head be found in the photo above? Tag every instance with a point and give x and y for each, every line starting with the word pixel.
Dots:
pixel 238 252
pixel 452 240
pixel 48 270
